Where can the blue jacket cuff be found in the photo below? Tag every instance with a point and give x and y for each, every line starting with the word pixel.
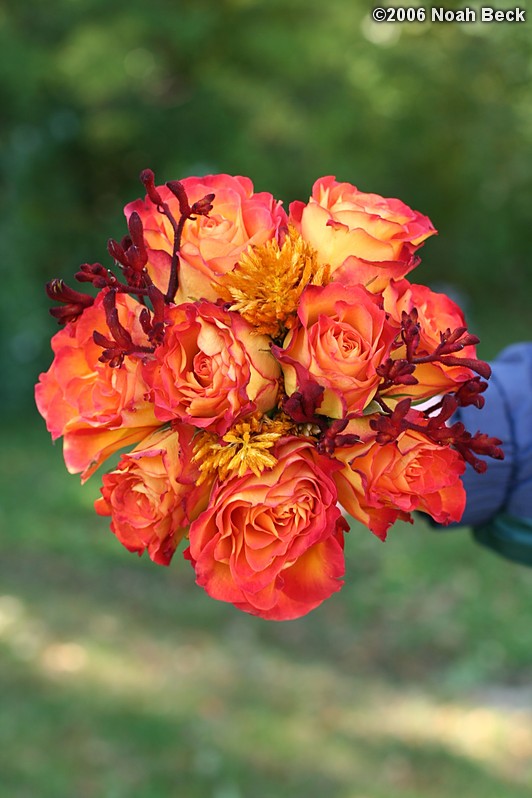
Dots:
pixel 506 486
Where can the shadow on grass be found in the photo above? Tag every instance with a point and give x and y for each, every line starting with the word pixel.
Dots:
pixel 62 738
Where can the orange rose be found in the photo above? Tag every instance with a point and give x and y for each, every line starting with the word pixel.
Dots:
pixel 273 545
pixel 340 340
pixel 151 494
pixel 364 237
pixel 98 409
pixel 211 368
pixel 436 313
pixel 382 483
pixel 210 245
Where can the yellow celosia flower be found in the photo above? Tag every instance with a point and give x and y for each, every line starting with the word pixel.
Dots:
pixel 245 446
pixel 265 285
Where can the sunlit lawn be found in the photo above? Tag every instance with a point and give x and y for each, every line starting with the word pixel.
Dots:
pixel 121 679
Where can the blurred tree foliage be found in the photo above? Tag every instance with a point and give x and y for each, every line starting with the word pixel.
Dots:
pixel 93 91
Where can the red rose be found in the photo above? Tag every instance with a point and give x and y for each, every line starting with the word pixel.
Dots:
pixel 96 408
pixel 382 483
pixel 211 368
pixel 151 494
pixel 272 545
pixel 340 340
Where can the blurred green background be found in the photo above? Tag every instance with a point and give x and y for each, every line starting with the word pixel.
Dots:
pixel 120 678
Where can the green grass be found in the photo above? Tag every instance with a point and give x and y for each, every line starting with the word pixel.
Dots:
pixel 122 679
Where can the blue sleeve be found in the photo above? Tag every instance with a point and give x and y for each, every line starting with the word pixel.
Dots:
pixel 499 502
pixel 507 484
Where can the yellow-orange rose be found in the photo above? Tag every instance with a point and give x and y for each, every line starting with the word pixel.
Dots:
pixel 210 245
pixel 211 368
pixel 273 545
pixel 341 337
pixel 98 409
pixel 436 313
pixel 365 238
pixel 151 495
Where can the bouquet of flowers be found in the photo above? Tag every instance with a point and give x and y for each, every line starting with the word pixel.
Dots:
pixel 262 371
